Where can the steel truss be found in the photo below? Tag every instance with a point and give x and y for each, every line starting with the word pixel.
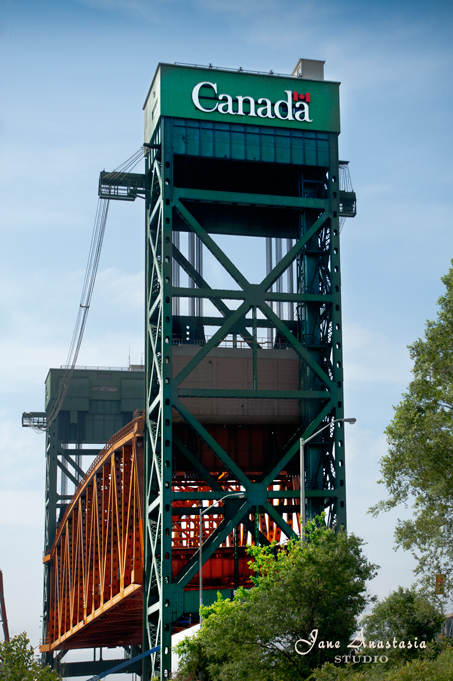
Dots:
pixel 95 564
pixel 71 444
pixel 315 338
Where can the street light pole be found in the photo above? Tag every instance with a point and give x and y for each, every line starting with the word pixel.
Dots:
pixel 239 495
pixel 302 467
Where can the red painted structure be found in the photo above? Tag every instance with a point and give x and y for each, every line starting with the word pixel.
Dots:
pixel 97 558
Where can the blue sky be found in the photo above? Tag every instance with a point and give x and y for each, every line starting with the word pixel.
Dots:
pixel 73 79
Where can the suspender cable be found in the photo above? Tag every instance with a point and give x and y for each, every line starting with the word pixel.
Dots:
pixel 82 313
pixel 94 255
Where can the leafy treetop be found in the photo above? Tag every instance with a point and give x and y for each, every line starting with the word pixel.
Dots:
pixel 316 584
pixel 18 662
pixel 419 464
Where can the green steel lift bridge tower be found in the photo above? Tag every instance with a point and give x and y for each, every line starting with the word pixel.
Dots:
pixel 245 196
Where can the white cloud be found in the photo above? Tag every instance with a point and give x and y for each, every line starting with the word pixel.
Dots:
pixel 372 357
pixel 39 314
pixel 127 290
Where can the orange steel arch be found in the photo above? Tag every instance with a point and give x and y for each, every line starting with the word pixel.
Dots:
pixel 96 576
pixel 97 559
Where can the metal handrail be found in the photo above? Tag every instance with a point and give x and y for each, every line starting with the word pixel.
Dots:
pixel 141 367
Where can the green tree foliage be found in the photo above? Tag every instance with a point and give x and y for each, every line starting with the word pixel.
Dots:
pixel 18 662
pixel 405 615
pixel 318 584
pixel 430 667
pixel 419 465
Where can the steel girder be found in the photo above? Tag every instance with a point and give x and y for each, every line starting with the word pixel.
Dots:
pixel 96 561
pixel 315 337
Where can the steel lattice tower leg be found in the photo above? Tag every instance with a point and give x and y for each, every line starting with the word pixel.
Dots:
pixel 159 602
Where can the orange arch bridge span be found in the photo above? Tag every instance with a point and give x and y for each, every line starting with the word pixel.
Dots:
pixel 97 558
pixel 96 575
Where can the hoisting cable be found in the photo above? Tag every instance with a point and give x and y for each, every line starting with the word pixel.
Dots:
pixel 94 255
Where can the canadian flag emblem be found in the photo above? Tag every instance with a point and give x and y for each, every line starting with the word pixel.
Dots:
pixel 301 96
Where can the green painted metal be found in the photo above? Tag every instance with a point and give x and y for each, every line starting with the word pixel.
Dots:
pixel 190 152
pixel 171 95
pixel 246 198
pixel 121 186
pixel 98 403
pixel 250 143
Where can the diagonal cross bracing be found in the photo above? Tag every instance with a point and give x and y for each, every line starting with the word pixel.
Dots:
pixel 194 458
